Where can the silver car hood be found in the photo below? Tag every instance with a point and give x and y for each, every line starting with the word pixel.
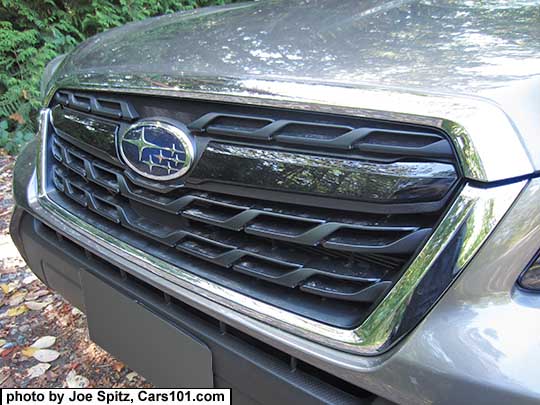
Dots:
pixel 488 50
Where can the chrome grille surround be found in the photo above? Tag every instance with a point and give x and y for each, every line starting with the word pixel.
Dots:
pixel 473 209
pixel 316 214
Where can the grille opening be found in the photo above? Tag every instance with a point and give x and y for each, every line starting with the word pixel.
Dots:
pixel 57 179
pixel 201 247
pixel 110 105
pixel 280 225
pixel 327 284
pixel 234 124
pixel 56 151
pixel 385 261
pixel 333 380
pixel 77 193
pixel 365 237
pixel 316 131
pixel 62 97
pixel 105 208
pixel 326 310
pixel 214 212
pixel 348 290
pixel 400 139
pixel 76 163
pixel 82 102
pixel 265 267
pixel 322 132
pixel 96 104
pixel 105 176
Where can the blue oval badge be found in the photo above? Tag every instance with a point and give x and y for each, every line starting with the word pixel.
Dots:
pixel 157 150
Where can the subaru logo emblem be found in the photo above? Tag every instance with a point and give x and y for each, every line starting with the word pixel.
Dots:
pixel 157 150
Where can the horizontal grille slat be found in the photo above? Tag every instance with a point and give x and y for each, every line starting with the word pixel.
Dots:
pixel 104 106
pixel 349 291
pixel 407 143
pixel 396 182
pixel 382 191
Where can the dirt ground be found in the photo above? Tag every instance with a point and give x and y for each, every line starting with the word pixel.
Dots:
pixel 43 339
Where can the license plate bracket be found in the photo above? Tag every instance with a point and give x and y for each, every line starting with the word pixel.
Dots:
pixel 157 349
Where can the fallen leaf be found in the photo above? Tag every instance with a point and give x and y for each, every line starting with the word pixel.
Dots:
pixel 76 311
pixel 17 117
pixel 12 286
pixel 7 352
pixel 2 342
pixel 16 311
pixel 29 351
pixel 36 294
pixel 44 342
pixel 5 288
pixel 37 306
pixel 73 380
pixel 37 370
pixel 29 279
pixel 17 298
pixel 131 376
pixel 46 355
pixel 64 322
pixel 118 366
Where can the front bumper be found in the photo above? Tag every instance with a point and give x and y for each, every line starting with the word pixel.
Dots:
pixel 478 344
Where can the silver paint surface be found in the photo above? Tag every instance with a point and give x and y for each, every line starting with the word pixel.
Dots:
pixel 457 46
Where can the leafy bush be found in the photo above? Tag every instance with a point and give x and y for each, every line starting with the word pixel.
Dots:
pixel 12 141
pixel 33 32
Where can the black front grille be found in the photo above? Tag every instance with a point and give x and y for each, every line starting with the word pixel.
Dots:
pixel 327 254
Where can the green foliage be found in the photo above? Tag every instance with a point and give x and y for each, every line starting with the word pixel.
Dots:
pixel 33 32
pixel 13 141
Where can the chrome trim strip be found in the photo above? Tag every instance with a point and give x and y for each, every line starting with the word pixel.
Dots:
pixel 487 143
pixel 479 210
pixel 348 179
pixel 97 133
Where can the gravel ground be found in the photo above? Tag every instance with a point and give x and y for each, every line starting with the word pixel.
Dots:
pixel 43 339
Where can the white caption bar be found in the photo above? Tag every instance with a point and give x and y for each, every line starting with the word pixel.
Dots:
pixel 115 396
